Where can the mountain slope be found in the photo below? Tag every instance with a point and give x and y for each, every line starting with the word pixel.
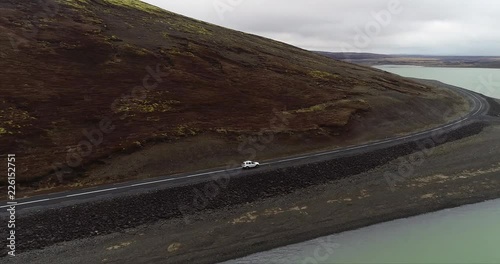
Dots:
pixel 80 64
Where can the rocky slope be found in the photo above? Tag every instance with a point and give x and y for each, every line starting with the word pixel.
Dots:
pixel 83 81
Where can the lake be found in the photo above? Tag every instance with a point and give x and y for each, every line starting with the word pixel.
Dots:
pixel 468 234
pixel 484 81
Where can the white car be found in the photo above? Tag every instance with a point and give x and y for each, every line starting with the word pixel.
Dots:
pixel 249 164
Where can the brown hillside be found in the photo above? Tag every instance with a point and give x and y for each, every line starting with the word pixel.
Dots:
pixel 67 66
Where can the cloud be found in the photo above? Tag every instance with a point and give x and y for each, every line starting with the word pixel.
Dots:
pixel 444 27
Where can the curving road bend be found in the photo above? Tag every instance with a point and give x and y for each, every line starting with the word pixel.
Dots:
pixel 479 109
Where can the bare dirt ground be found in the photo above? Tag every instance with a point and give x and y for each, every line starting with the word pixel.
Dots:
pixel 156 77
pixel 462 172
pixel 214 150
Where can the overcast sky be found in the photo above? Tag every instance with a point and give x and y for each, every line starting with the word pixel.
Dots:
pixel 434 27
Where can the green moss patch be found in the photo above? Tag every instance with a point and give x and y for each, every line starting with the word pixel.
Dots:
pixel 323 75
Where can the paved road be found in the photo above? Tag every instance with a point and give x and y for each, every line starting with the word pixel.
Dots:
pixel 479 108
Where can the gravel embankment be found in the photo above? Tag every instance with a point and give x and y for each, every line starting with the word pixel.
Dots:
pixel 47 228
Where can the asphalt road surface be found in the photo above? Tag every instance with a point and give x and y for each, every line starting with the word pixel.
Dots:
pixel 43 202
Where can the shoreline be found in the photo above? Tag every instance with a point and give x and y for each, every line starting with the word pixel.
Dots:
pixel 332 245
pixel 259 209
pixel 428 66
pixel 214 234
pixel 236 231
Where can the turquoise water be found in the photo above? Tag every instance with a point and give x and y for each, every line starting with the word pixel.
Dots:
pixel 469 234
pixel 485 81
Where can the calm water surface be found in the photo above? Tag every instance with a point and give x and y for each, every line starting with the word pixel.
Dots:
pixel 485 81
pixel 469 234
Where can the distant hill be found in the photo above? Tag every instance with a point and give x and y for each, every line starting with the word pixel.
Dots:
pixel 419 60
pixel 354 55
pixel 81 66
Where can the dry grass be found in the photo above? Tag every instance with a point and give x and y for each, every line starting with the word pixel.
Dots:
pixel 67 77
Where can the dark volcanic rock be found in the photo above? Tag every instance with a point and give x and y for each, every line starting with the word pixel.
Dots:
pixel 38 230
